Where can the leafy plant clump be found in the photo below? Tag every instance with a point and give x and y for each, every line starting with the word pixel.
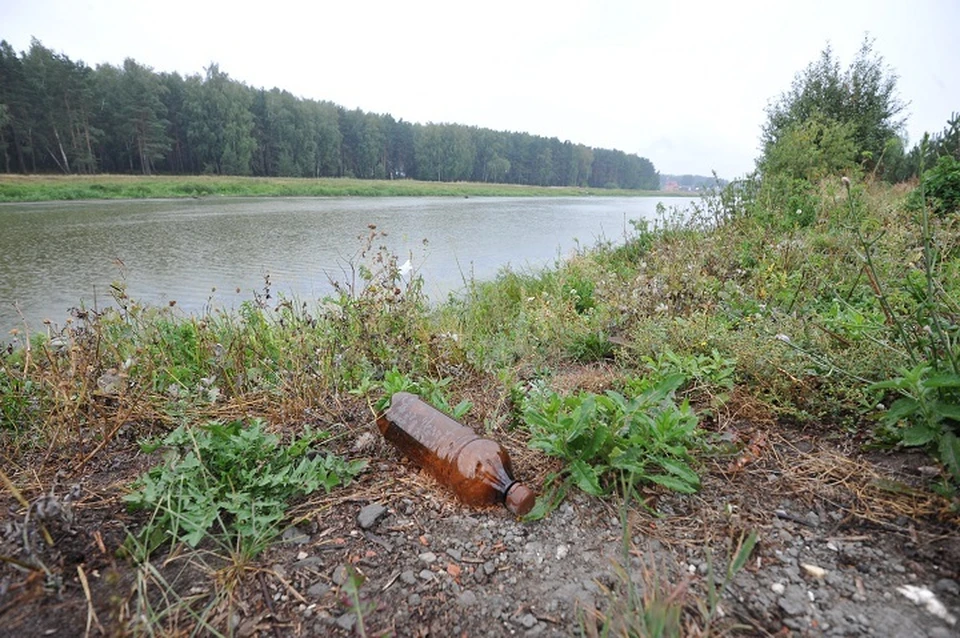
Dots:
pixel 941 186
pixel 230 481
pixel 609 438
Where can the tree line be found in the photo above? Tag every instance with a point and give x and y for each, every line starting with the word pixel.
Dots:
pixel 834 118
pixel 60 115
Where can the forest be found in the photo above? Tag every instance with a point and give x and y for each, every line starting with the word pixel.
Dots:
pixel 62 116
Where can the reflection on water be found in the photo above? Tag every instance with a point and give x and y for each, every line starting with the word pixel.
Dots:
pixel 54 256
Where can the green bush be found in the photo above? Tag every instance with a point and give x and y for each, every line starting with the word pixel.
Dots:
pixel 941 185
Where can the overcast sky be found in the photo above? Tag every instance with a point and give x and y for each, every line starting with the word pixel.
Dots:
pixel 682 83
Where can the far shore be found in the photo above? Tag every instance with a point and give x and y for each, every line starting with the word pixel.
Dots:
pixel 35 188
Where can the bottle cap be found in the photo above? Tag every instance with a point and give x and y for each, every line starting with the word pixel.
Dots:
pixel 520 499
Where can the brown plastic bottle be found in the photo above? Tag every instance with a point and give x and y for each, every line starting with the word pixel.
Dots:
pixel 477 469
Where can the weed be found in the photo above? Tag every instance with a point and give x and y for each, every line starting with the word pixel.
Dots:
pixel 657 608
pixel 930 386
pixel 609 437
pixel 233 479
pixel 432 391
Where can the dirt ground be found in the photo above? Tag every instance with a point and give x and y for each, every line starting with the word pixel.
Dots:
pixel 845 541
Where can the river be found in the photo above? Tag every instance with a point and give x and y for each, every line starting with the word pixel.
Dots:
pixel 55 256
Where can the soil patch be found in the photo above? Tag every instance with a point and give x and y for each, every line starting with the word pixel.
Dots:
pixel 845 545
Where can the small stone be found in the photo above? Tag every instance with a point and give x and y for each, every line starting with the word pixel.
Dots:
pixel 454 554
pixel 414 600
pixel 428 557
pixel 947 586
pixel 301 555
pixel 370 515
pixel 309 561
pixel 778 588
pixel 467 598
pixel 813 570
pixel 528 620
pixel 794 602
pixel 562 551
pixel 339 575
pixel 295 536
pixel 426 574
pixel 408 577
pixel 489 567
pixel 318 589
pixel 347 621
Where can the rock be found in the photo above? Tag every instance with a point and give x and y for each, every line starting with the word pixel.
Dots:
pixel 426 574
pixel 562 551
pixel 370 515
pixel 408 577
pixel 347 621
pixel 309 561
pixel 467 598
pixel 455 554
pixel 813 570
pixel 947 586
pixel 794 602
pixel 294 536
pixel 528 620
pixel 428 557
pixel 778 588
pixel 318 589
pixel 339 575
pixel 489 567
pixel 414 600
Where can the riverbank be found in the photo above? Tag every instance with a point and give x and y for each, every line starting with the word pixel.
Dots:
pixel 26 188
pixel 694 407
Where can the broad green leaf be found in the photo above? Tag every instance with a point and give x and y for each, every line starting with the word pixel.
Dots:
pixel 585 477
pixel 947 410
pixel 889 384
pixel 901 409
pixel 918 435
pixel 680 469
pixel 943 381
pixel 672 482
pixel 949 450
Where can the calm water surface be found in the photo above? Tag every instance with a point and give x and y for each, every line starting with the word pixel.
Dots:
pixel 57 255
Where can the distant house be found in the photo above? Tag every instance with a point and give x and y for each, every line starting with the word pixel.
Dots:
pixel 671 185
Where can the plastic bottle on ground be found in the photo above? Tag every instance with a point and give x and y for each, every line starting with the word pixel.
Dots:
pixel 477 469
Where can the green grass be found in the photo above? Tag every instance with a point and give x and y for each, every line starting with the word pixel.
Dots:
pixel 20 188
pixel 845 321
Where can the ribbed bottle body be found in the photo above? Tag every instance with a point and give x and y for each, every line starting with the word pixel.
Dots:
pixel 477 469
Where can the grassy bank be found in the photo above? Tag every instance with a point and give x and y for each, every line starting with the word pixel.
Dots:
pixel 796 320
pixel 20 188
pixel 627 369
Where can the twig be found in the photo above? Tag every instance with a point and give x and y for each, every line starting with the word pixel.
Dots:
pixel 793 517
pixel 13 489
pixel 91 612
pixel 290 588
pixel 268 600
